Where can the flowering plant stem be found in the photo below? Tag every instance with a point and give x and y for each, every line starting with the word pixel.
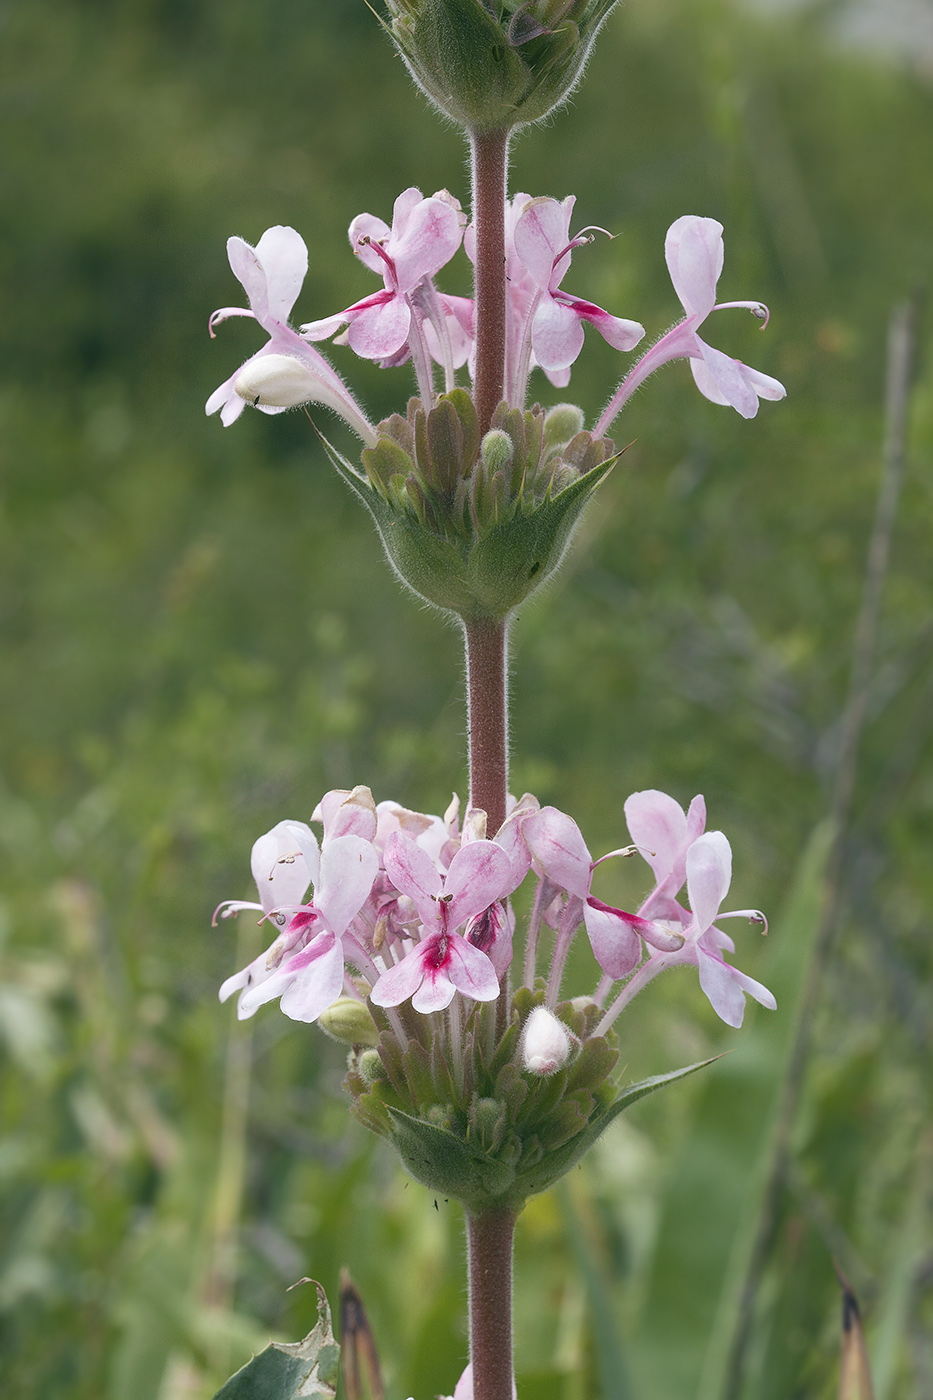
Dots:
pixel 489 159
pixel 489 1235
pixel 486 642
pixel 489 1262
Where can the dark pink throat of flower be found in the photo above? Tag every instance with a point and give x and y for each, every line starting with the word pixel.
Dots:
pixel 436 957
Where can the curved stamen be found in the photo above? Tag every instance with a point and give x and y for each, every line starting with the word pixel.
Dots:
pixel 225 312
pixel 757 308
pixel 368 242
pixel 579 239
pixel 754 916
pixel 622 851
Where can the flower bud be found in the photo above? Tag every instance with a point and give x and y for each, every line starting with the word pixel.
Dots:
pixel 472 544
pixel 547 1044
pixel 370 1068
pixel 349 1021
pixel 494 68
pixel 275 382
pixel 561 423
pixel 497 451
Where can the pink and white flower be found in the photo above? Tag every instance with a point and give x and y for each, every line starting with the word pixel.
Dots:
pixel 424 236
pixel 709 874
pixel 663 832
pixel 544 245
pixel 286 371
pixel 305 964
pixel 673 844
pixel 666 838
pixel 616 937
pixel 443 962
pixel 694 253
pixel 284 861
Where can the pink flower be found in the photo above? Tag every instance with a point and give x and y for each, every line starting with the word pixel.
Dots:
pixel 271 275
pixel 709 874
pixel 305 964
pixel 694 254
pixel 544 245
pixel 662 832
pixel 492 932
pixel 284 862
pixel 706 863
pixel 425 234
pixel 673 844
pixel 443 962
pixel 560 853
pixel 347 813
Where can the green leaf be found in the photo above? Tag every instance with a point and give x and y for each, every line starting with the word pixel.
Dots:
pixel 291 1370
pixel 556 1164
pixel 448 1165
pixel 517 555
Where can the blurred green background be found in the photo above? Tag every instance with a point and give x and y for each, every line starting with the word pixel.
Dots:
pixel 200 636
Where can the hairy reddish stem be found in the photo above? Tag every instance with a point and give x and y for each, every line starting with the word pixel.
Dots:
pixel 489 1261
pixel 487 716
pixel 489 151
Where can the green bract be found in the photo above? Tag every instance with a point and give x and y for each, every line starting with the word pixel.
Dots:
pixel 504 1135
pixel 496 64
pixel 475 526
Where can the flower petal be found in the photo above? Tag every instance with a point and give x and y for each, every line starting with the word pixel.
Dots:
pixel 413 872
pixel 559 850
pixel 374 230
pixel 721 988
pixel 284 864
pixel 284 258
pixel 709 874
pixel 478 875
pixel 723 380
pixel 542 231
pixel 616 946
pixel 349 866
pixel 617 332
pixel 346 813
pixel 317 985
pixel 694 252
pixel 696 819
pixel 470 971
pixel 250 273
pixel 556 335
pixel 435 993
pixel 400 982
pixel 319 967
pixel 431 236
pixel 380 330
pixel 658 827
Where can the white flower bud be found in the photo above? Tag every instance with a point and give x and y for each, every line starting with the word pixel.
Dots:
pixel 547 1044
pixel 274 382
pixel 277 381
